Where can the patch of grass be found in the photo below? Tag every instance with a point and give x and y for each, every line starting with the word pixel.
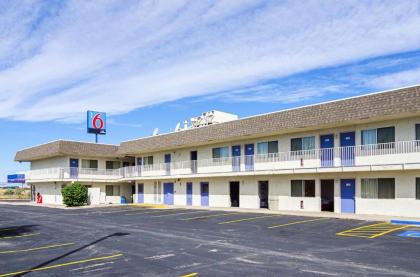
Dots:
pixel 15 193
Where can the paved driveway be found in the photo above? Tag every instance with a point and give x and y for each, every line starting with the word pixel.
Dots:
pixel 140 241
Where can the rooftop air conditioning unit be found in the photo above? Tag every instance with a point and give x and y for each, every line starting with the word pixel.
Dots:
pixel 212 117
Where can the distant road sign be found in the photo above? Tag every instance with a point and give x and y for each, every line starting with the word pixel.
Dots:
pixel 16 178
pixel 96 122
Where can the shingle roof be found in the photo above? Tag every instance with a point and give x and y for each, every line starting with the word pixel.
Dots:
pixel 67 148
pixel 405 101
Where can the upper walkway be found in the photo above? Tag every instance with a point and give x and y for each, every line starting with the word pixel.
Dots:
pixel 402 155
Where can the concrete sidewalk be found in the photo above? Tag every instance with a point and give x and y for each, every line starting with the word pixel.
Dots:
pixel 366 217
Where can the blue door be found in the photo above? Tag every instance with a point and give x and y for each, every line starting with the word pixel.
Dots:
pixel 347 143
pixel 74 168
pixel 189 194
pixel 348 188
pixel 139 164
pixel 168 192
pixel 249 157
pixel 168 164
pixel 236 158
pixel 140 193
pixel 327 150
pixel 204 194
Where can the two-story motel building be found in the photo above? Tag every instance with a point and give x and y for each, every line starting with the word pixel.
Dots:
pixel 357 155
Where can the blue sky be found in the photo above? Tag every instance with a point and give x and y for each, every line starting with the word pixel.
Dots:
pixel 154 63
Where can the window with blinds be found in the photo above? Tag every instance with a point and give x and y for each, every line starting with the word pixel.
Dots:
pixel 267 147
pixel 148 160
pixel 220 152
pixel 113 164
pixel 304 143
pixel 112 190
pixel 302 188
pixel 92 164
pixel 380 135
pixel 381 188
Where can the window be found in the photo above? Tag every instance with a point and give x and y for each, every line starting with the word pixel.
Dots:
pixel 93 164
pixel 382 188
pixel 418 188
pixel 303 188
pixel 112 190
pixel 305 143
pixel 418 134
pixel 113 164
pixel 109 190
pixel 380 135
pixel 268 147
pixel 386 135
pixel 368 137
pixel 148 160
pixel 220 152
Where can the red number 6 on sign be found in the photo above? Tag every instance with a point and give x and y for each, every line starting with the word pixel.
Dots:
pixel 97 121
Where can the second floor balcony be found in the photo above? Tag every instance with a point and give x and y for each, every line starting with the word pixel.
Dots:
pixel 352 158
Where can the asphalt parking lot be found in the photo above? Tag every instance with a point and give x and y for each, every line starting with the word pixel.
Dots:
pixel 142 241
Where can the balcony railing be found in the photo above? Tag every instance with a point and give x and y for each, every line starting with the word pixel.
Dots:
pixel 62 173
pixel 402 152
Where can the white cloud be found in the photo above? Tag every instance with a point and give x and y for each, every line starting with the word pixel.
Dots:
pixel 398 79
pixel 117 58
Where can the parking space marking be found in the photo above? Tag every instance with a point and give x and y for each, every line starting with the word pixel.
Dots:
pixel 247 219
pixel 36 248
pixel 297 222
pixel 191 274
pixel 208 216
pixel 181 213
pixel 372 231
pixel 21 236
pixel 120 211
pixel 61 265
pixel 155 211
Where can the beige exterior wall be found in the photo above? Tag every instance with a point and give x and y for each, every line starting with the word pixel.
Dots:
pixel 280 198
pixel 404 131
pixel 51 192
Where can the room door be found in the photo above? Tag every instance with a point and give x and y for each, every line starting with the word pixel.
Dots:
pixel 347 143
pixel 348 190
pixel 327 150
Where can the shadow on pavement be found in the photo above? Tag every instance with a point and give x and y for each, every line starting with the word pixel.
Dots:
pixel 74 251
pixel 10 231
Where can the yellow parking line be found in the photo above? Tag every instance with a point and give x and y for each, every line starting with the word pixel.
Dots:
pixel 191 274
pixel 37 248
pixel 21 236
pixel 207 216
pixel 155 211
pixel 389 231
pixel 247 219
pixel 182 213
pixel 297 222
pixel 371 231
pixel 61 265
pixel 153 206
